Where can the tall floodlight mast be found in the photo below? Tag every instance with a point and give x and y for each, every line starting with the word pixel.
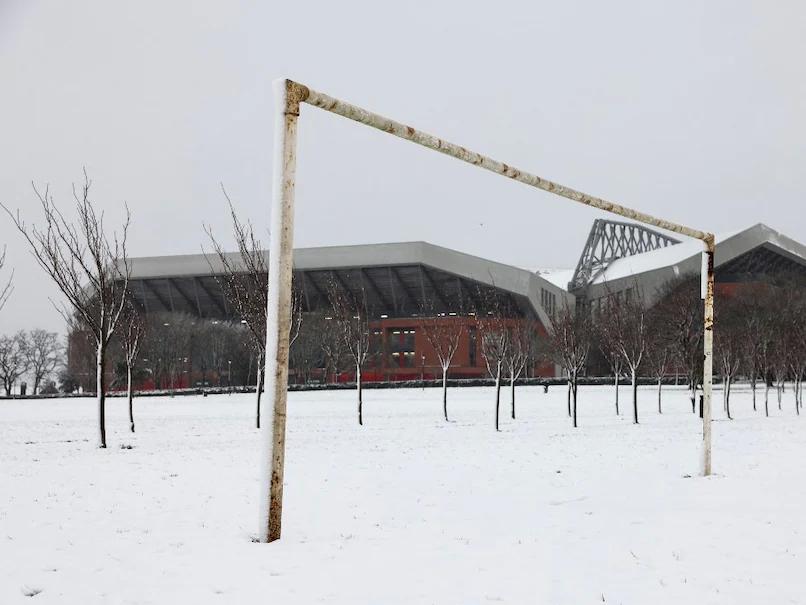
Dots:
pixel 289 95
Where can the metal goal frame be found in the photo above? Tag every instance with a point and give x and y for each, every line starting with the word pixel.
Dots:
pixel 289 95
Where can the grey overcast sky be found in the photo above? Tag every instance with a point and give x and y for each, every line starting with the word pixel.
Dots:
pixel 690 110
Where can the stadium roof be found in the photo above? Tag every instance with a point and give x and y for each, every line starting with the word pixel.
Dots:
pixel 758 244
pixel 181 274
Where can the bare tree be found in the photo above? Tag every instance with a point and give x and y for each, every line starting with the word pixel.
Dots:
pixel 131 337
pixel 680 308
pixel 307 350
pixel 659 354
pixel 604 333
pixel 13 360
pixel 443 334
pixel 781 346
pixel 351 315
pixel 89 267
pixel 766 354
pixel 626 329
pixel 519 352
pixel 245 283
pixel 570 340
pixel 769 340
pixel 42 353
pixel 753 319
pixel 332 344
pixel 495 345
pixel 5 289
pixel 728 344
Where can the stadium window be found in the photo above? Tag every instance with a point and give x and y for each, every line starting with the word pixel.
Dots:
pixel 401 344
pixel 548 301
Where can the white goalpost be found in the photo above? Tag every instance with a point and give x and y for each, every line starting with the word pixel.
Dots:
pixel 289 95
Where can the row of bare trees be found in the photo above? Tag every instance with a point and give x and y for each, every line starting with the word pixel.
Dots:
pixel 632 339
pixel 761 336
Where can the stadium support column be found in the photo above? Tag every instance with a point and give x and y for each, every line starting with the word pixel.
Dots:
pixel 708 350
pixel 278 313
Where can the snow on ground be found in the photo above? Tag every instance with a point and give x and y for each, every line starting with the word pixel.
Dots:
pixel 407 509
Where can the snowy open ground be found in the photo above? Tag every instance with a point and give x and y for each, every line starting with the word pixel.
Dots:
pixel 407 509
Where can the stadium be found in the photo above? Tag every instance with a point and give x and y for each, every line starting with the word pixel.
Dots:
pixel 401 282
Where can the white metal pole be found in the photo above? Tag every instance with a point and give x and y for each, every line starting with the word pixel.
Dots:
pixel 278 312
pixel 708 357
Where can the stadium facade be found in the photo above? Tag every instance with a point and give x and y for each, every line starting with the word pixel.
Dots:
pixel 400 280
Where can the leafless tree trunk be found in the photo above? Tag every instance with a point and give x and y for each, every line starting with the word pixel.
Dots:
pixel 90 268
pixel 570 340
pixel 604 334
pixel 131 336
pixel 495 343
pixel 625 326
pixel 660 388
pixel 443 334
pixel 521 341
pixel 729 343
pixel 754 345
pixel 659 356
pixel 659 350
pixel 568 393
pixel 350 312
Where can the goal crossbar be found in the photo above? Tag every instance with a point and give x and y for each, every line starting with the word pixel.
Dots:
pixel 379 122
pixel 289 95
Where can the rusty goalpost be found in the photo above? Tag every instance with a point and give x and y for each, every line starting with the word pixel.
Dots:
pixel 289 96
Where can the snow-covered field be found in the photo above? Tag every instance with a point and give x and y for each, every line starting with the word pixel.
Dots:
pixel 407 509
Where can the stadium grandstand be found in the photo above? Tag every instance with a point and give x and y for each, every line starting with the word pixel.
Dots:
pixel 401 282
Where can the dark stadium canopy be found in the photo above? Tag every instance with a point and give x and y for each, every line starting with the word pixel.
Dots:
pixel 406 279
pixel 398 280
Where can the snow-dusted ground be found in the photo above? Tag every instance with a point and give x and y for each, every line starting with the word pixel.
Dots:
pixel 407 509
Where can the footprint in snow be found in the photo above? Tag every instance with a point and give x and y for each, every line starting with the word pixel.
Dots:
pixel 30 591
pixel 560 502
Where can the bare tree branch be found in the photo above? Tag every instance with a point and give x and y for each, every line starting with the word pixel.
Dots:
pixel 89 267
